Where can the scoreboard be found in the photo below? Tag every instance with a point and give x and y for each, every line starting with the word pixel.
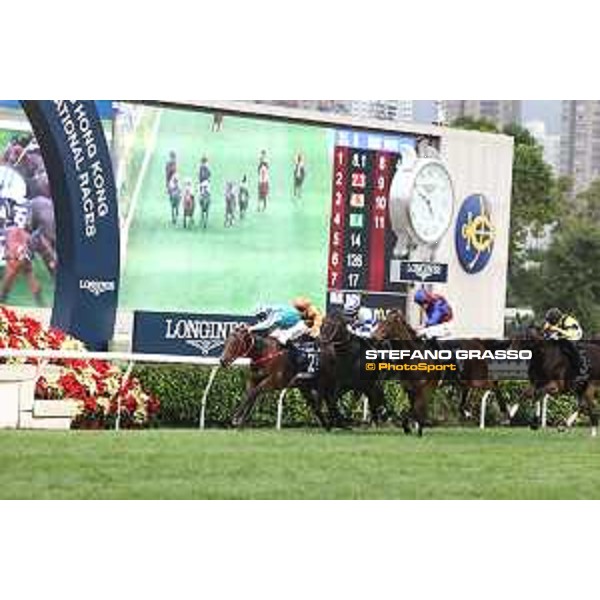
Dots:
pixel 362 241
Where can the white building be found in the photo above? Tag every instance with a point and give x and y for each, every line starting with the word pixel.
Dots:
pixel 387 110
pixel 549 142
pixel 580 142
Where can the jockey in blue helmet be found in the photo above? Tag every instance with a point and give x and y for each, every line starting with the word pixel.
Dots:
pixel 281 322
pixel 438 314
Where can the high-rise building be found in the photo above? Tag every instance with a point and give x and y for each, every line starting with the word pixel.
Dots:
pixel 499 112
pixel 549 142
pixel 388 110
pixel 580 142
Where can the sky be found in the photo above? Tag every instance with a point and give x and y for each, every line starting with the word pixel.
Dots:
pixel 547 111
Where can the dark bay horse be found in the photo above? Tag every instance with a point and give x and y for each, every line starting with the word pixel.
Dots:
pixel 204 194
pixel 43 231
pixel 230 204
pixel 473 375
pixel 271 369
pixel 551 373
pixel 341 355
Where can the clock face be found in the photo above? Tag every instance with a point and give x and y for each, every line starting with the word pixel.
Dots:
pixel 431 204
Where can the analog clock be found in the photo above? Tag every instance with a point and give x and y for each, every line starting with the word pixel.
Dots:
pixel 421 202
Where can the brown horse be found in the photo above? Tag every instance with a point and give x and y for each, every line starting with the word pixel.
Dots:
pixel 189 207
pixel 551 373
pixel 19 260
pixel 473 375
pixel 271 369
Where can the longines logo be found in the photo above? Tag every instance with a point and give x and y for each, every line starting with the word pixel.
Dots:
pixel 95 287
pixel 423 272
pixel 203 335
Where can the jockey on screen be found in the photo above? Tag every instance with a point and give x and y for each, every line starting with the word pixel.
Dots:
pixel 438 314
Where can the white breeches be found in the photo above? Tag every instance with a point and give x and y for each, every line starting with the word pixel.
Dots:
pixel 284 336
pixel 438 332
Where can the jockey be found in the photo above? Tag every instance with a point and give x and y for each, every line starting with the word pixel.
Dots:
pixel 438 314
pixel 310 314
pixel 559 326
pixel 283 323
pixel 171 167
pixel 568 332
pixel 204 172
pixel 362 321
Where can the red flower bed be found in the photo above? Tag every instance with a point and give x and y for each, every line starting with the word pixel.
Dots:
pixel 98 386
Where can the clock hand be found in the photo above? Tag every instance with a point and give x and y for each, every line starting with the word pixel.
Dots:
pixel 428 201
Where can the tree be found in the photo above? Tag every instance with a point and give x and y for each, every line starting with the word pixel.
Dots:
pixel 475 124
pixel 586 205
pixel 569 274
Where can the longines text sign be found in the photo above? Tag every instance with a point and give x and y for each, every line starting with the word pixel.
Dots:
pixel 183 334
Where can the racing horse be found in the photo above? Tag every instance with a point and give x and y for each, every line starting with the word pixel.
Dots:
pixel 243 197
pixel 174 191
pixel 341 354
pixel 551 373
pixel 19 260
pixel 43 231
pixel 189 206
pixel 474 375
pixel 271 368
pixel 204 193
pixel 263 186
pixel 230 202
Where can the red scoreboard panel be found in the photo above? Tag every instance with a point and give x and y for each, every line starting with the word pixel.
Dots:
pixel 361 237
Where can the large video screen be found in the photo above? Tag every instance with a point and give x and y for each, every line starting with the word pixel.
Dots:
pixel 221 212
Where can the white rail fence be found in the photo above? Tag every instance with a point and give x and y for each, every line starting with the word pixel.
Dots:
pixel 46 356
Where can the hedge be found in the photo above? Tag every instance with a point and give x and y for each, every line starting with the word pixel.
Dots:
pixel 180 389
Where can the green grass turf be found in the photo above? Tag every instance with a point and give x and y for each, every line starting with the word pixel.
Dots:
pixel 269 257
pixel 447 463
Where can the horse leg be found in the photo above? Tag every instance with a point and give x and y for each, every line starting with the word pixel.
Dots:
pixel 409 415
pixel 34 285
pixel 536 421
pixel 420 410
pixel 377 403
pixel 246 407
pixel 313 401
pixel 589 401
pixel 11 274
pixel 503 404
pixel 464 404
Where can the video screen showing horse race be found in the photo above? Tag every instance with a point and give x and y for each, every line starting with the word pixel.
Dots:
pixel 221 213
pixel 27 229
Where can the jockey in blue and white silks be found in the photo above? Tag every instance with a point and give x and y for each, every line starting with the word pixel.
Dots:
pixel 283 323
pixel 438 314
pixel 362 321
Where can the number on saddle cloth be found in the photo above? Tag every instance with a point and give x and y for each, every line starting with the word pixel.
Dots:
pixel 306 357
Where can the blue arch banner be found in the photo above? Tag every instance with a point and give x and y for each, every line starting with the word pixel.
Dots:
pixel 79 167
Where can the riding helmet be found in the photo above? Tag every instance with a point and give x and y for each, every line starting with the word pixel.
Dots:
pixel 553 316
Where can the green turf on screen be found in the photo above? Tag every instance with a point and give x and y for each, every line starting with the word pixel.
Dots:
pixel 269 257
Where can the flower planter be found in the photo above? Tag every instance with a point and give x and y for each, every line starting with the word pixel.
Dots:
pixel 17 388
